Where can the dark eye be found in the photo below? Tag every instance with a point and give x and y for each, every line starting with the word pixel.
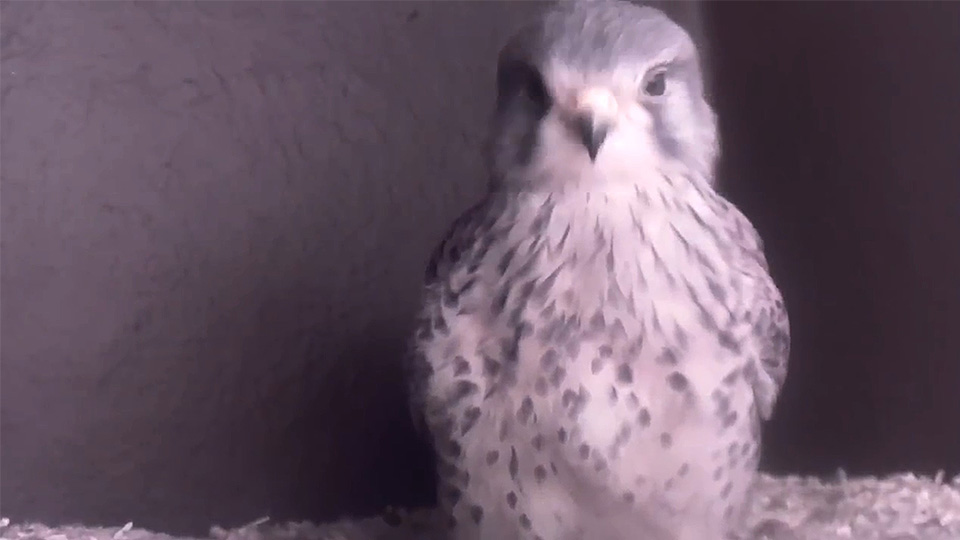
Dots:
pixel 656 84
pixel 519 79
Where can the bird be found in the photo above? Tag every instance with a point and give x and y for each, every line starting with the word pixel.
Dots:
pixel 599 340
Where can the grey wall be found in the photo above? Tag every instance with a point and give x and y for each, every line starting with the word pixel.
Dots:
pixel 215 222
pixel 215 218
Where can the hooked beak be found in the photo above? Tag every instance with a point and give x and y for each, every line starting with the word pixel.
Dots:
pixel 592 133
pixel 592 120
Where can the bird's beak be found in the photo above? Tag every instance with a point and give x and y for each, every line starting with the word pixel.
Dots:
pixel 594 109
pixel 592 133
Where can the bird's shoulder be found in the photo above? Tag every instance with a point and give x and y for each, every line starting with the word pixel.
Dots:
pixel 743 233
pixel 767 311
pixel 446 277
pixel 463 241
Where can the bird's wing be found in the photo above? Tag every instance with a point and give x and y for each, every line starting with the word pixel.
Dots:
pixel 458 246
pixel 769 320
pixel 772 327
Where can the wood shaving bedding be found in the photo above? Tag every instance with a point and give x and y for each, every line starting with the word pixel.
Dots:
pixel 898 507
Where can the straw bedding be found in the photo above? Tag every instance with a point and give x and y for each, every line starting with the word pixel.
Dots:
pixel 898 507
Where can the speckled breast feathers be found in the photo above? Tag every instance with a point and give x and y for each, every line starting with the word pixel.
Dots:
pixel 600 338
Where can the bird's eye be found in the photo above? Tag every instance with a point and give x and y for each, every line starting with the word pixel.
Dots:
pixel 656 84
pixel 535 90
pixel 519 79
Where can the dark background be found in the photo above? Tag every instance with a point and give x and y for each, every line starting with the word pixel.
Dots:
pixel 215 218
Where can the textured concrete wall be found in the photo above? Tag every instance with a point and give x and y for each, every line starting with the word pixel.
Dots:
pixel 215 221
pixel 215 218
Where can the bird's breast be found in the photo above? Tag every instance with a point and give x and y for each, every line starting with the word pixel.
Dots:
pixel 647 285
pixel 616 254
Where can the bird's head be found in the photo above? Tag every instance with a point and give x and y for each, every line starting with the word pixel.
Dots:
pixel 599 91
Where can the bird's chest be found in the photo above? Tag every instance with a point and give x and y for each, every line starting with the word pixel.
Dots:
pixel 666 284
pixel 611 345
pixel 593 343
pixel 613 320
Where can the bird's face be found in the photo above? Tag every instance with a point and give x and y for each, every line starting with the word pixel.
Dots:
pixel 600 91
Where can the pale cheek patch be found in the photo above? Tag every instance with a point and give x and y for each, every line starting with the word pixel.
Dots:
pixel 635 115
pixel 631 150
